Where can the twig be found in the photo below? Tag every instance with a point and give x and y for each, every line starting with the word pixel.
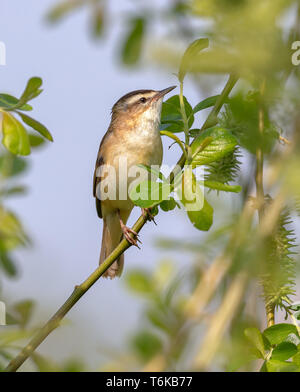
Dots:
pixel 183 114
pixel 78 292
pixel 260 195
pixel 177 140
pixel 212 118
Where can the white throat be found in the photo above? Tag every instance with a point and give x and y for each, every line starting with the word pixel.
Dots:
pixel 150 119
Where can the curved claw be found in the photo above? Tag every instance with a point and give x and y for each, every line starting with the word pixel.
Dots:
pixel 146 212
pixel 133 241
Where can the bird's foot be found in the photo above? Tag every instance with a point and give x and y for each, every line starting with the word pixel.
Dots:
pixel 146 212
pixel 132 240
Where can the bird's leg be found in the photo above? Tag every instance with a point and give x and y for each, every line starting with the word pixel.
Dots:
pixel 127 231
pixel 146 212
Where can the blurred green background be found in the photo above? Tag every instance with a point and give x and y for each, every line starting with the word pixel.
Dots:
pixel 89 53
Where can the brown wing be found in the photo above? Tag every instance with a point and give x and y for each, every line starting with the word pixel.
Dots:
pixel 97 179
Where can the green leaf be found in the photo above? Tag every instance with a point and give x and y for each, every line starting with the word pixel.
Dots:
pixel 9 336
pixel 193 49
pixel 195 132
pixel 258 341
pixel 62 9
pixel 171 114
pixel 279 332
pixel 202 219
pixel 222 187
pixel 35 140
pixel 15 137
pixel 15 190
pixel 148 194
pixel 168 205
pixel 296 359
pixel 11 231
pixel 156 173
pixel 139 282
pixel 199 211
pixel 73 366
pixel 280 366
pixel 295 306
pixel 146 345
pixel 11 165
pixel 5 354
pixel 223 143
pixel 133 44
pixel 284 351
pixel 32 90
pixel 36 125
pixel 206 103
pixel 24 311
pixel 297 315
pixel 292 338
pixel 8 265
pixel 9 102
pixel 158 318
pixel 154 211
pixel 98 21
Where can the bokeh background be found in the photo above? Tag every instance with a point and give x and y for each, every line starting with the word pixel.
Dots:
pixel 83 76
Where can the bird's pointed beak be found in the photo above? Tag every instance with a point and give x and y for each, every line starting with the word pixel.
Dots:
pixel 163 92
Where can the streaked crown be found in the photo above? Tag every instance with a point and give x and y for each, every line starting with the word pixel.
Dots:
pixel 139 100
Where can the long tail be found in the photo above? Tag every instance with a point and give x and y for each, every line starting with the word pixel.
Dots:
pixel 112 235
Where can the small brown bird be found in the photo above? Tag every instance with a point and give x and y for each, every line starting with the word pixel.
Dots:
pixel 133 137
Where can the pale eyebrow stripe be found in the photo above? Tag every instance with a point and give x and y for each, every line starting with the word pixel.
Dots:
pixel 136 97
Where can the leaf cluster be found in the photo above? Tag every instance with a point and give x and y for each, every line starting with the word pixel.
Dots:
pixel 278 346
pixel 15 137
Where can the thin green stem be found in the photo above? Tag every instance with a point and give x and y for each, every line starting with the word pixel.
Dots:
pixel 184 117
pixel 212 119
pixel 260 193
pixel 177 140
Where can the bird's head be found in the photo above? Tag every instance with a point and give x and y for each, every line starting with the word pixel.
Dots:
pixel 140 105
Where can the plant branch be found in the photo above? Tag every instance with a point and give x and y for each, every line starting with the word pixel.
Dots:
pixel 177 140
pixel 212 117
pixel 183 114
pixel 78 292
pixel 260 194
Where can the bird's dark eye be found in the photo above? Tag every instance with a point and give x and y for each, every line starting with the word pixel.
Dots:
pixel 143 100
